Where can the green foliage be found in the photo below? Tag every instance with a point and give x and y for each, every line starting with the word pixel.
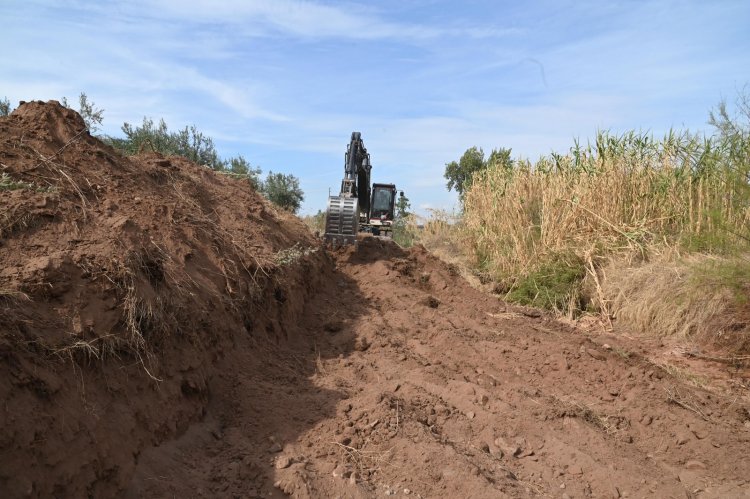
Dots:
pixel 8 183
pixel 460 174
pixel 731 274
pixel 5 108
pixel 88 111
pixel 500 158
pixel 239 166
pixel 284 191
pixel 554 285
pixel 187 142
pixel 402 207
pixel 403 233
pixel 317 222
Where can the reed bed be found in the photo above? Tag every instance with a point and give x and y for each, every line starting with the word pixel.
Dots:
pixel 542 229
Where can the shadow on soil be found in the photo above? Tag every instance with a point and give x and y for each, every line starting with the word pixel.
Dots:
pixel 262 396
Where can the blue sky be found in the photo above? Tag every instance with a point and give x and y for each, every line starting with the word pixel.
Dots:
pixel 285 82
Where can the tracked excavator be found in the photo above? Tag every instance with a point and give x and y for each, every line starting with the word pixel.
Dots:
pixel 358 208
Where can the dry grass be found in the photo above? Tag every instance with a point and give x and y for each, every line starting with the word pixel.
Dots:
pixel 608 424
pixel 629 228
pixel 13 296
pixel 684 400
pixel 517 219
pixel 365 462
pixel 693 297
pixel 316 223
pixel 662 297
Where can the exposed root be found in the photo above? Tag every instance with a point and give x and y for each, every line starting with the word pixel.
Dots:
pixel 365 462
pixel 684 401
pixel 609 424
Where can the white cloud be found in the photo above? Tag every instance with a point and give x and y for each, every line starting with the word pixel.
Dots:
pixel 310 19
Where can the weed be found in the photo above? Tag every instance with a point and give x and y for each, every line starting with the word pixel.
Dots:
pixel 731 274
pixel 8 183
pixel 13 296
pixel 292 255
pixel 621 352
pixel 554 285
pixel 684 375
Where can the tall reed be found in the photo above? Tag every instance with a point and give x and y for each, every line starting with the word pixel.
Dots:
pixel 622 193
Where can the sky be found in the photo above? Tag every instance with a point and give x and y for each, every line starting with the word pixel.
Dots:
pixel 285 82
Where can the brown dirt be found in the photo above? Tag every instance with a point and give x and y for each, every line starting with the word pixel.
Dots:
pixel 227 355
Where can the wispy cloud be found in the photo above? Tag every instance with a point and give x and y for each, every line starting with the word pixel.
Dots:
pixel 312 20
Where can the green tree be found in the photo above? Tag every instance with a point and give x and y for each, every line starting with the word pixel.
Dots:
pixel 284 191
pixel 402 233
pixel 459 173
pixel 240 166
pixel 402 207
pixel 500 158
pixel 5 108
pixel 92 116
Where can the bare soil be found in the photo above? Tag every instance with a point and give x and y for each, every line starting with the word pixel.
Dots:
pixel 196 342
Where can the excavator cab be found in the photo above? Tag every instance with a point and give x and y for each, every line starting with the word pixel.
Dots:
pixel 382 209
pixel 383 202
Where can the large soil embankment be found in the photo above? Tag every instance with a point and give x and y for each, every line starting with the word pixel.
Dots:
pixel 123 281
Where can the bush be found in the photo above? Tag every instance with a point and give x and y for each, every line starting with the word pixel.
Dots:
pixel 284 191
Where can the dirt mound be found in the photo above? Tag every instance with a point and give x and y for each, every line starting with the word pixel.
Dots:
pixel 123 280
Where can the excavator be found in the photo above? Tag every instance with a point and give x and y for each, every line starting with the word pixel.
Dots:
pixel 359 208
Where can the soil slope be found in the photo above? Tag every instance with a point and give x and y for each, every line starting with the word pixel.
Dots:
pixel 167 333
pixel 123 280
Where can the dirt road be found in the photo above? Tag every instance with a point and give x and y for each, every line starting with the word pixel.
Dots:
pixel 400 379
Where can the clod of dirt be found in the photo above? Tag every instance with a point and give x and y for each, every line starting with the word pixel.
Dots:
pixel 362 344
pixel 282 462
pixel 596 354
pixel 695 465
pixel 333 326
pixel 432 302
